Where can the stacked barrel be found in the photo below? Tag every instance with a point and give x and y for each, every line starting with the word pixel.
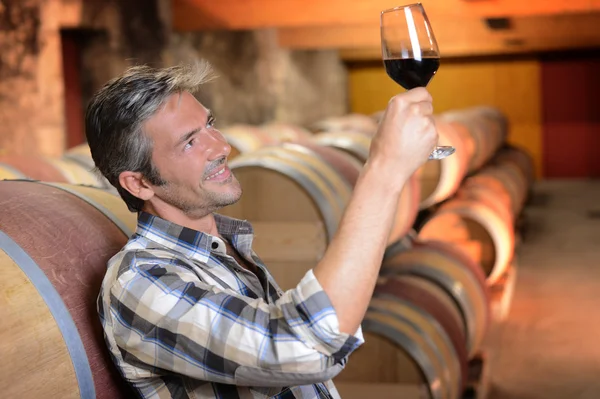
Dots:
pixel 481 216
pixel 75 167
pixel 299 189
pixel 55 241
pixel 61 223
pixel 430 309
pixel 428 317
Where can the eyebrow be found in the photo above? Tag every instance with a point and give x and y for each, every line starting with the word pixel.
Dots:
pixel 189 134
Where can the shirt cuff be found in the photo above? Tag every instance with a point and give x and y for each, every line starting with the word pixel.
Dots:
pixel 322 319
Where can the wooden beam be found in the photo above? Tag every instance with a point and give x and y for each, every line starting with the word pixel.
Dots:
pixel 190 15
pixel 324 37
pixel 489 48
pixel 469 37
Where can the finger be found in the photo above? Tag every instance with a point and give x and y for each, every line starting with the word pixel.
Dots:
pixel 424 108
pixel 417 95
pixel 403 100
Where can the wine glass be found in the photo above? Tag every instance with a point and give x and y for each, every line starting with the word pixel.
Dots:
pixel 410 52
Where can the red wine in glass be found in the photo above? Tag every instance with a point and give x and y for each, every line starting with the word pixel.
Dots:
pixel 410 52
pixel 410 73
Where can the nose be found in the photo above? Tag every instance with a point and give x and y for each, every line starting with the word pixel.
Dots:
pixel 219 146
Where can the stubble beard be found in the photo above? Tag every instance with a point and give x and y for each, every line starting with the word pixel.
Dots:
pixel 211 201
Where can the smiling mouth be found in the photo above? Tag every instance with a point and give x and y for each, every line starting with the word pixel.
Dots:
pixel 220 172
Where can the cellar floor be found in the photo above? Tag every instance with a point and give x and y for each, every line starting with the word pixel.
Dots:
pixel 549 345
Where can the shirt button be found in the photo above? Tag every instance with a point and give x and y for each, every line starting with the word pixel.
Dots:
pixel 215 245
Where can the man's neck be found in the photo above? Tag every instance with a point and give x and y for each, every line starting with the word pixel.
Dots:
pixel 203 223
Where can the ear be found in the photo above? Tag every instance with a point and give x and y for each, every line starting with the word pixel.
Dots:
pixel 136 185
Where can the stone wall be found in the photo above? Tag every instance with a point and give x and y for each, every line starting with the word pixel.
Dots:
pixel 31 118
pixel 258 81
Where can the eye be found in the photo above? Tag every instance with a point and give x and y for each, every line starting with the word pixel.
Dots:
pixel 210 123
pixel 189 144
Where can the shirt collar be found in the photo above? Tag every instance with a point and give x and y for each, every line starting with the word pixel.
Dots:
pixel 189 242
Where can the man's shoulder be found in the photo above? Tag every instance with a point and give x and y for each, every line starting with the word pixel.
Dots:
pixel 137 252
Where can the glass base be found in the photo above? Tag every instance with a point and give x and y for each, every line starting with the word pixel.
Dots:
pixel 441 152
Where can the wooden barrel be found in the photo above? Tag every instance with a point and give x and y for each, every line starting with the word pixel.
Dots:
pixel 511 179
pixel 327 188
pixel 504 183
pixel 520 158
pixel 433 301
pixel 295 201
pixel 450 318
pixel 456 274
pixel 347 123
pixel 284 132
pixel 467 221
pixel 487 126
pixel 459 254
pixel 76 173
pixel 38 168
pixel 335 182
pixel 346 165
pixel 53 170
pixel 516 182
pixel 488 189
pixel 9 172
pixel 484 211
pixel 357 145
pixel 109 204
pixel 519 173
pixel 441 179
pixel 54 247
pixel 82 155
pixel 404 343
pixel 246 138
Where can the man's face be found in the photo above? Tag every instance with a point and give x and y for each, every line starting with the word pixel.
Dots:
pixel 191 156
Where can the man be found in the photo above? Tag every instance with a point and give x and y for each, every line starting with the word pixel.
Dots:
pixel 188 309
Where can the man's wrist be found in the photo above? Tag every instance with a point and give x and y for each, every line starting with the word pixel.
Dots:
pixel 391 176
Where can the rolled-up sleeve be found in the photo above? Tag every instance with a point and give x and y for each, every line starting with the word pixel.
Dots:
pixel 166 318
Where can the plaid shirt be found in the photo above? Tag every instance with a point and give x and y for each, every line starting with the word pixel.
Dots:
pixel 183 320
